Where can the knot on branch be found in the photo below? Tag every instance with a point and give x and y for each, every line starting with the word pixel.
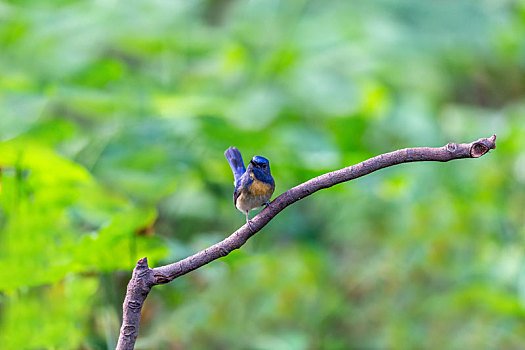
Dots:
pixel 224 251
pixel 135 306
pixel 128 330
pixel 160 279
pixel 482 146
pixel 452 147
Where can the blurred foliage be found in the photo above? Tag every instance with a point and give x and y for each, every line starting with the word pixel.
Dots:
pixel 114 117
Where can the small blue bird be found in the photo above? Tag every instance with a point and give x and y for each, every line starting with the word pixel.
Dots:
pixel 253 186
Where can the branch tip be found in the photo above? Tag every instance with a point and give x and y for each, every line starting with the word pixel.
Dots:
pixel 482 146
pixel 143 262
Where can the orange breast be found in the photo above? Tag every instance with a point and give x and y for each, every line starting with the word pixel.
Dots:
pixel 259 188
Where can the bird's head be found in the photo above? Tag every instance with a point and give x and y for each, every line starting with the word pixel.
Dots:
pixel 261 163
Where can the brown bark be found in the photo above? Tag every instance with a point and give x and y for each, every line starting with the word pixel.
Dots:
pixel 144 278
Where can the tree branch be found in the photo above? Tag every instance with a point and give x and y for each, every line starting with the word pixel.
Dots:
pixel 144 278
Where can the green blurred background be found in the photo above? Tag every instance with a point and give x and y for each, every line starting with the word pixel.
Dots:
pixel 114 116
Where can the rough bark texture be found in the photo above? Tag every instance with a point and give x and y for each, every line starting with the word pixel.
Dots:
pixel 137 291
pixel 144 278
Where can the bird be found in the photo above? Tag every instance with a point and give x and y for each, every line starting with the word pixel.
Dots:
pixel 254 185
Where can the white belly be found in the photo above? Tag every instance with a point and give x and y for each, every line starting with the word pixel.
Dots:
pixel 248 202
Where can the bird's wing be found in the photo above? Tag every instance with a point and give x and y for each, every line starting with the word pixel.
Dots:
pixel 243 184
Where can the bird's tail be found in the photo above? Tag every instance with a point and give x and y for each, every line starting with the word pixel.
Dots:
pixel 235 159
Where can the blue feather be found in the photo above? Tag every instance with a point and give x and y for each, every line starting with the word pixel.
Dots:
pixel 236 163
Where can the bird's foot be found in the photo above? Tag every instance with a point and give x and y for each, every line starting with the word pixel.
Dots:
pixel 250 226
pixel 249 223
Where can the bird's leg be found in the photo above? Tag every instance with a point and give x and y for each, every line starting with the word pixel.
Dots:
pixel 249 222
pixel 267 204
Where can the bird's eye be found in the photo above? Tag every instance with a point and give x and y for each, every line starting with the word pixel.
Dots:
pixel 263 165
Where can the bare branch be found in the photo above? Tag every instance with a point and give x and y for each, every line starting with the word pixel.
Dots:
pixel 144 278
pixel 137 291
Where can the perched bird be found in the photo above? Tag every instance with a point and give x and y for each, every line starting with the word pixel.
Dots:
pixel 254 185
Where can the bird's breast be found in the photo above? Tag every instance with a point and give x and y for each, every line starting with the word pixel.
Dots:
pixel 259 188
pixel 254 195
